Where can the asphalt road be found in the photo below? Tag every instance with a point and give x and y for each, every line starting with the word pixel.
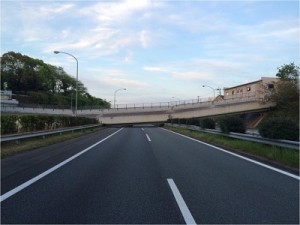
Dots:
pixel 143 176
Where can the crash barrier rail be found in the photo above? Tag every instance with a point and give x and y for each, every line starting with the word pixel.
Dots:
pixel 249 137
pixel 17 137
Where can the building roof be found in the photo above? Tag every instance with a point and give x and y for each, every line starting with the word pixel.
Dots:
pixel 253 82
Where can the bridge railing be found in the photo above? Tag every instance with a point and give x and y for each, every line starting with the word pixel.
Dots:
pixel 137 107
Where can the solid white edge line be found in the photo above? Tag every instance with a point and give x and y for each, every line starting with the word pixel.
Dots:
pixel 188 218
pixel 148 137
pixel 38 177
pixel 239 156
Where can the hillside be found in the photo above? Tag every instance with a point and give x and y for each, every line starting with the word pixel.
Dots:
pixel 34 82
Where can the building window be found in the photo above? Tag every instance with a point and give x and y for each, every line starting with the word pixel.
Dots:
pixel 248 88
pixel 232 92
pixel 270 86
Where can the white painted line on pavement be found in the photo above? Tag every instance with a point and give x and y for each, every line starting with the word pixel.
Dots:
pixel 143 129
pixel 239 156
pixel 188 218
pixel 33 180
pixel 148 137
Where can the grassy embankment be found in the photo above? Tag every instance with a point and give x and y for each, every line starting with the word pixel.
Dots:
pixel 283 156
pixel 13 147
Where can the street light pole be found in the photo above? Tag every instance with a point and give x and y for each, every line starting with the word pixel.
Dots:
pixel 210 88
pixel 115 95
pixel 57 52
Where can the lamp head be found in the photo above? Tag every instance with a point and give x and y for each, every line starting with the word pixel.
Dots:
pixel 56 52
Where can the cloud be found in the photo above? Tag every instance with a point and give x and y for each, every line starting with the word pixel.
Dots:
pixel 287 30
pixel 259 36
pixel 183 74
pixel 91 38
pixel 32 19
pixel 197 20
pixel 53 9
pixel 193 75
pixel 126 83
pixel 156 69
pixel 145 38
pixel 217 64
pixel 97 41
pixel 113 78
pixel 106 72
pixel 129 56
pixel 115 12
pixel 96 29
pixel 137 43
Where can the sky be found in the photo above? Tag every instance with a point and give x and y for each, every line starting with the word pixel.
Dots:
pixel 159 50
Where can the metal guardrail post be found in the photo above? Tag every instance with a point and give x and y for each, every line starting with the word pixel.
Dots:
pixel 17 137
pixel 281 143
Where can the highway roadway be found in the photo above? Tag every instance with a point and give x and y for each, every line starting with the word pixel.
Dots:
pixel 143 175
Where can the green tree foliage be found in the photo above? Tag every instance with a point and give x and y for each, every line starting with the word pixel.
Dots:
pixel 36 82
pixel 232 124
pixel 207 123
pixel 289 72
pixel 286 93
pixel 279 128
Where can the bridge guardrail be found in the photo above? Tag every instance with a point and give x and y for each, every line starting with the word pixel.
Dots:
pixel 248 137
pixel 16 137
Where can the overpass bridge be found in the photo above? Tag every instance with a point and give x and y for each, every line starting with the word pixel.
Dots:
pixel 152 113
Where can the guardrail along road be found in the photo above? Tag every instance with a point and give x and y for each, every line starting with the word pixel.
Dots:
pixel 143 175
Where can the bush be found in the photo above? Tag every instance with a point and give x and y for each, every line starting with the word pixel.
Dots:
pixel 184 121
pixel 19 123
pixel 232 124
pixel 279 128
pixel 175 121
pixel 194 121
pixel 8 124
pixel 32 122
pixel 207 123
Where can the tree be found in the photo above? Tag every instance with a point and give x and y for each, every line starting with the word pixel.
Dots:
pixel 36 82
pixel 286 93
pixel 207 123
pixel 232 124
pixel 279 128
pixel 22 73
pixel 289 72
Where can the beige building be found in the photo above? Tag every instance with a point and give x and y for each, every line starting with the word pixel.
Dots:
pixel 256 89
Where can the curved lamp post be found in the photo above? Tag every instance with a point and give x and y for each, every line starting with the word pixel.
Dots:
pixel 57 52
pixel 115 95
pixel 210 88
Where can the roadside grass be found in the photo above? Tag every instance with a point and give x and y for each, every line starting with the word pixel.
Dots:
pixel 14 147
pixel 283 156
